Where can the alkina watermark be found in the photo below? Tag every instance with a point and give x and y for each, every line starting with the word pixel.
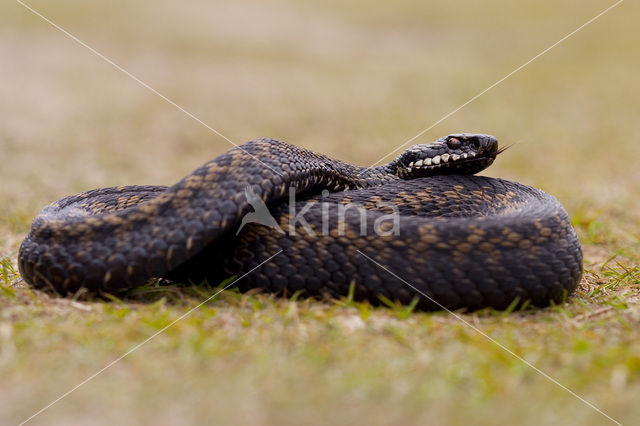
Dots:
pixel 385 223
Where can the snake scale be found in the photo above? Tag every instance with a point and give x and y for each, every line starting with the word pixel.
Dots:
pixel 422 226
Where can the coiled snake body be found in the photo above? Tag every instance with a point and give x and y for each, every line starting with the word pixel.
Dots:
pixel 419 226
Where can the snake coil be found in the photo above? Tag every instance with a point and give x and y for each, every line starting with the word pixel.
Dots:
pixel 422 227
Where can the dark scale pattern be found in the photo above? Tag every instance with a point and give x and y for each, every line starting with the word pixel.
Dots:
pixel 463 241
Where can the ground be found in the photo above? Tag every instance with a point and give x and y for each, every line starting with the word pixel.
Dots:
pixel 353 80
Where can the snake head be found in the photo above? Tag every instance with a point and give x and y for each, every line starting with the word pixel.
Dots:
pixel 458 153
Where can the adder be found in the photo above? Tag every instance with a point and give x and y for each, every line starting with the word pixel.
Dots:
pixel 421 226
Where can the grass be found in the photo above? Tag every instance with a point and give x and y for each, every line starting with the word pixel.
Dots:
pixel 255 358
pixel 354 81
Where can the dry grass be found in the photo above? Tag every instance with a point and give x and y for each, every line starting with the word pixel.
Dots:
pixel 354 81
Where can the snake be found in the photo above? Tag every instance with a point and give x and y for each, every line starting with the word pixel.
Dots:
pixel 422 229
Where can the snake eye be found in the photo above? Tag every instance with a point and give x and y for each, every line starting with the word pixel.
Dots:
pixel 454 143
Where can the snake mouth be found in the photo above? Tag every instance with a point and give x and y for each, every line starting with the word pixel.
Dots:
pixel 449 160
pixel 446 164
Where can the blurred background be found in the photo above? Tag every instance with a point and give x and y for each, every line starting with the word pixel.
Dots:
pixel 351 79
pixel 354 80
